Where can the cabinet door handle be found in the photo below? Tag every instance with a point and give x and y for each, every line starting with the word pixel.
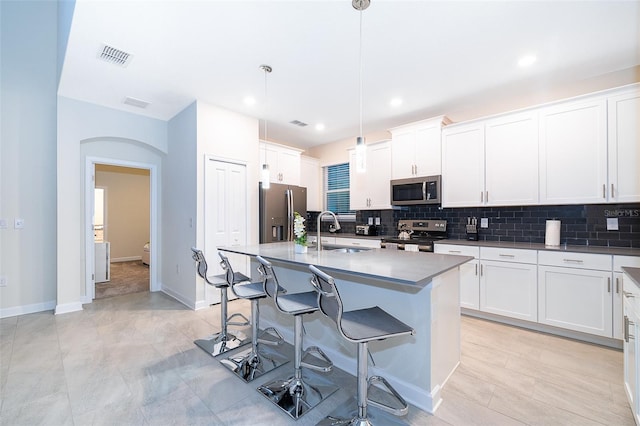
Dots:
pixel 355 244
pixel 481 270
pixel 613 192
pixel 628 295
pixel 487 197
pixel 507 255
pixel 573 260
pixel 627 323
pixel 617 285
pixel 604 191
pixel 455 251
pixel 608 285
pixel 482 196
pixel 476 269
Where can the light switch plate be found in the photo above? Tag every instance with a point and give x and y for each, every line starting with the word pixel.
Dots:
pixel 370 222
pixel 612 224
pixel 484 222
pixel 377 221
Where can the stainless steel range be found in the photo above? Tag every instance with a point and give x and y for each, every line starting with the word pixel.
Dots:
pixel 417 235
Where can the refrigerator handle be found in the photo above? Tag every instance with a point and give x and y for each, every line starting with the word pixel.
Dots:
pixel 290 214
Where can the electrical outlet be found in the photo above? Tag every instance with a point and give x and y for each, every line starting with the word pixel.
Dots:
pixel 370 222
pixel 484 222
pixel 3 281
pixel 377 221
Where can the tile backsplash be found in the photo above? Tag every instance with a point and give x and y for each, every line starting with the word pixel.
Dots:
pixel 581 224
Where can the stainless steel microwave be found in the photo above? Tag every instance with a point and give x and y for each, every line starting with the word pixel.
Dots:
pixel 419 190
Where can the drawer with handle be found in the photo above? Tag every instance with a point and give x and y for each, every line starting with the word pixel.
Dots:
pixel 458 250
pixel 509 255
pixel 600 262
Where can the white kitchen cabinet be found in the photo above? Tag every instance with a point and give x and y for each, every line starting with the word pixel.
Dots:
pixel 507 287
pixel 624 147
pixel 311 178
pixel 463 165
pixel 630 344
pixel 370 190
pixel 415 148
pixel 576 292
pixel 284 163
pixel 511 160
pixel 618 263
pixel 469 273
pixel 573 152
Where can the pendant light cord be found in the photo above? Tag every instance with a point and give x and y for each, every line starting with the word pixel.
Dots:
pixel 360 72
pixel 266 103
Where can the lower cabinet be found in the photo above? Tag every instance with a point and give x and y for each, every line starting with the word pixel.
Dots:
pixel 508 289
pixel 469 273
pixel 576 299
pixel 630 345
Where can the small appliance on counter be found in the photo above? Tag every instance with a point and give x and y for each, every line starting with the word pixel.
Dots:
pixel 366 230
pixel 417 235
pixel 472 229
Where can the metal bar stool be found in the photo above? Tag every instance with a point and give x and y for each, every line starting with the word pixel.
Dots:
pixel 296 394
pixel 362 326
pixel 254 362
pixel 221 342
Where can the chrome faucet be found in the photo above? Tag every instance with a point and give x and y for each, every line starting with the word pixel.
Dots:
pixel 335 224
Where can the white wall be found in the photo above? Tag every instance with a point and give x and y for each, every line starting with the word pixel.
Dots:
pixel 338 152
pixel 179 207
pixel 87 130
pixel 28 84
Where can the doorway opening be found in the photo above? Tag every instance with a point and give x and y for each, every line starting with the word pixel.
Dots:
pixel 120 251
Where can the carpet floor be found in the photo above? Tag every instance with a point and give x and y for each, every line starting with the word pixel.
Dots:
pixel 126 277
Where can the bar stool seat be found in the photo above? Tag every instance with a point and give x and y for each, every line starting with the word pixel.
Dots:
pixel 362 326
pixel 223 341
pixel 257 360
pixel 298 393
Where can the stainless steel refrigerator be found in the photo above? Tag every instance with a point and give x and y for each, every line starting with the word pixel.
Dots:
pixel 277 205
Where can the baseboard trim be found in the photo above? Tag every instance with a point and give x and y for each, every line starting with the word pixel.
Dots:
pixel 27 309
pixel 66 308
pixel 180 298
pixel 201 304
pixel 125 259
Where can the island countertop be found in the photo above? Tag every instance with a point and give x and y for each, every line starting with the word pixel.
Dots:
pixel 413 269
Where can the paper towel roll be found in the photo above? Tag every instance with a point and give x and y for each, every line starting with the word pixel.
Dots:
pixel 552 234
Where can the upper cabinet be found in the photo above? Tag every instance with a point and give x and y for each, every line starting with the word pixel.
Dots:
pixel 370 190
pixel 573 152
pixel 491 163
pixel 283 161
pixel 311 178
pixel 415 148
pixel 624 146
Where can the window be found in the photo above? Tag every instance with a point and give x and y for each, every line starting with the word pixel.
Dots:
pixel 336 184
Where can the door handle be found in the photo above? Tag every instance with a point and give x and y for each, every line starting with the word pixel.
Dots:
pixel 617 285
pixel 608 285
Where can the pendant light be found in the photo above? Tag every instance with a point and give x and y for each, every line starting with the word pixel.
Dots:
pixel 361 149
pixel 265 177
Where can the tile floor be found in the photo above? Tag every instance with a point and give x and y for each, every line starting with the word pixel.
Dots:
pixel 130 360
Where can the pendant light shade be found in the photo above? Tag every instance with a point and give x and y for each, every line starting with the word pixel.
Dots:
pixel 265 177
pixel 361 148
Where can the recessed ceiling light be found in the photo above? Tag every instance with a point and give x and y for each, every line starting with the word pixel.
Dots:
pixel 527 60
pixel 249 100
pixel 395 102
pixel 320 127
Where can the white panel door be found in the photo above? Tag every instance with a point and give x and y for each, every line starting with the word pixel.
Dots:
pixel 225 218
pixel 573 153
pixel 624 147
pixel 509 289
pixel 511 160
pixel 577 299
pixel 463 166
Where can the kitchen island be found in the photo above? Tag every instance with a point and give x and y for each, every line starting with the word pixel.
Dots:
pixel 420 289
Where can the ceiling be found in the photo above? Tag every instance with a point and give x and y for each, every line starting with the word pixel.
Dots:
pixel 439 57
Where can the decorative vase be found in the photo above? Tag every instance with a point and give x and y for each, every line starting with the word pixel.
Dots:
pixel 299 248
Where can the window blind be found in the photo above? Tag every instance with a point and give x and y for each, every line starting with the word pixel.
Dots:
pixel 337 188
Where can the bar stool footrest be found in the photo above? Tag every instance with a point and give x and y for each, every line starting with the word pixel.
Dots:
pixel 240 324
pixel 314 359
pixel 271 336
pixel 389 393
pixel 218 343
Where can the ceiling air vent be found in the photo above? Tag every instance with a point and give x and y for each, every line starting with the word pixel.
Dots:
pixel 136 102
pixel 114 56
pixel 298 123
